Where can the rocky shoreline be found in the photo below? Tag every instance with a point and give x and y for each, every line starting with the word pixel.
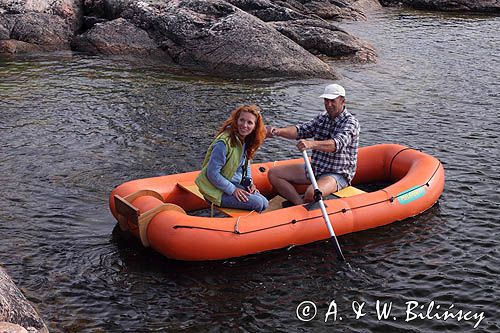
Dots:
pixel 242 38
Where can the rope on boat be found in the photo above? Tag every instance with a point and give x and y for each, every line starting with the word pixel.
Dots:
pixel 236 231
pixel 343 210
pixel 393 158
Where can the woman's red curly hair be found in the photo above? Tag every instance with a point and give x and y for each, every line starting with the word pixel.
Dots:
pixel 253 140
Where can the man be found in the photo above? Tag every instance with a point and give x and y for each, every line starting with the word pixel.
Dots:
pixel 335 135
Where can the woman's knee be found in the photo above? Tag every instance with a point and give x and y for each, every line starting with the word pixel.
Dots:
pixel 264 203
pixel 258 202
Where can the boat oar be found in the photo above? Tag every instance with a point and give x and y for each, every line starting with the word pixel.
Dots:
pixel 318 197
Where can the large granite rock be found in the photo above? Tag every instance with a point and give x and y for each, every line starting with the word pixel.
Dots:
pixel 118 37
pixel 322 38
pixel 71 11
pixel 221 38
pixel 16 313
pixel 38 26
pixel 285 10
pixel 33 31
pixel 485 6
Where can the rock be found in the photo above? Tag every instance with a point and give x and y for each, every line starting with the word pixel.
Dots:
pixel 21 7
pixel 333 10
pixel 485 6
pixel 12 46
pixel 11 328
pixel 216 37
pixel 268 11
pixel 4 32
pixel 15 309
pixel 44 31
pixel 322 38
pixel 69 10
pixel 41 29
pixel 298 10
pixel 90 21
pixel 118 37
pixel 365 6
pixel 109 9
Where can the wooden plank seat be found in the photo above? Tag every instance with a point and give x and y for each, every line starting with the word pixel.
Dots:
pixel 232 212
pixel 348 191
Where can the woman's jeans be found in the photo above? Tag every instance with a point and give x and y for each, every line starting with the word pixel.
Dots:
pixel 256 201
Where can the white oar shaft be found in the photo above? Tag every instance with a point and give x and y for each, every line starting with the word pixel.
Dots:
pixel 322 206
pixel 310 170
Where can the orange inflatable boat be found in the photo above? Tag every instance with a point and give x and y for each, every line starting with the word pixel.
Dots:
pixel 159 211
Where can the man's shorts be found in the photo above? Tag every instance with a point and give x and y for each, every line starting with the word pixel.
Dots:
pixel 341 181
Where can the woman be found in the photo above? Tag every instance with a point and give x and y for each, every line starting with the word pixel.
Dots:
pixel 225 178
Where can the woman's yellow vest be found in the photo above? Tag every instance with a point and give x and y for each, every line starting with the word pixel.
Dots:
pixel 233 158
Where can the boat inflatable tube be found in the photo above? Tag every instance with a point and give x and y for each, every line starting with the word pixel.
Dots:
pixel 157 210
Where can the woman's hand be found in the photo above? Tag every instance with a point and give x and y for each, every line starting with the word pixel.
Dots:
pixel 253 189
pixel 241 195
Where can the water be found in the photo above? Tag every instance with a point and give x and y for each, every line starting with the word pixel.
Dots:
pixel 73 127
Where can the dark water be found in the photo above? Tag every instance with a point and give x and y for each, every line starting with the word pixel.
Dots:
pixel 73 127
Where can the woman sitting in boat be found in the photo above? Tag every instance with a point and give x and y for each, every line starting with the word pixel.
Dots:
pixel 225 178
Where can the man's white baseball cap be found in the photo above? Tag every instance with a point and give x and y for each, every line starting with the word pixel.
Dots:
pixel 333 91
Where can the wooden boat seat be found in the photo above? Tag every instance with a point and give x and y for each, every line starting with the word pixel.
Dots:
pixel 232 212
pixel 348 191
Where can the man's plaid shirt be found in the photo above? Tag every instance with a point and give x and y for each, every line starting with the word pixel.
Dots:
pixel 344 130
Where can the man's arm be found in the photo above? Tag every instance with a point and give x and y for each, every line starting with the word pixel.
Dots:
pixel 343 138
pixel 289 132
pixel 328 146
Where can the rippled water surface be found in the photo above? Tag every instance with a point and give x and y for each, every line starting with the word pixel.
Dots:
pixel 73 127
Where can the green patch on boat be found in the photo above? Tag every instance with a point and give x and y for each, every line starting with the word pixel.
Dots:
pixel 411 194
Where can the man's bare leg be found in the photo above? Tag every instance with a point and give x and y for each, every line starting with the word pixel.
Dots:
pixel 326 184
pixel 283 177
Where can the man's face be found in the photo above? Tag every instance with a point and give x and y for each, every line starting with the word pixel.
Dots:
pixel 334 106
